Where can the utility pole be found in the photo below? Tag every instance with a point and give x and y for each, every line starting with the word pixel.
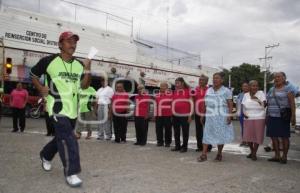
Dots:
pixel 268 49
pixel 167 26
pixel 3 63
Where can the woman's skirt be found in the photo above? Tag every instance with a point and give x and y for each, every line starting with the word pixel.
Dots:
pixel 254 131
pixel 277 127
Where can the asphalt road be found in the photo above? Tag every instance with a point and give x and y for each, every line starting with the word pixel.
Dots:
pixel 117 168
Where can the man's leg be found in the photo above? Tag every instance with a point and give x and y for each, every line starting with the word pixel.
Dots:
pixel 138 121
pixel 116 125
pixel 198 132
pixel 168 130
pixel 15 119
pixel 159 131
pixel 49 150
pixel 67 145
pixel 185 132
pixel 123 128
pixel 101 120
pixel 22 119
pixel 145 131
pixel 176 126
pixel 106 127
pixel 48 125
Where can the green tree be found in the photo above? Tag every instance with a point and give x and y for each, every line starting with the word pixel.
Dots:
pixel 245 73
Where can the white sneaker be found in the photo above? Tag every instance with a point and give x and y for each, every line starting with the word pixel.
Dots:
pixel 73 181
pixel 46 165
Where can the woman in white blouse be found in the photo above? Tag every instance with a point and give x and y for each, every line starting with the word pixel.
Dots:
pixel 104 95
pixel 254 103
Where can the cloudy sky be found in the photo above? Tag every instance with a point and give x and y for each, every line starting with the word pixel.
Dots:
pixel 235 30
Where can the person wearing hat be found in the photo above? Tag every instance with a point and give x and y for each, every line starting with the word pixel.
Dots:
pixel 64 77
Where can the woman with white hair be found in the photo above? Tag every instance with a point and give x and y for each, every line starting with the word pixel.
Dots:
pixel 253 104
pixel 163 117
pixel 104 95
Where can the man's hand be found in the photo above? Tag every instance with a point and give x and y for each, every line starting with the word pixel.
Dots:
pixel 44 90
pixel 87 64
pixel 189 119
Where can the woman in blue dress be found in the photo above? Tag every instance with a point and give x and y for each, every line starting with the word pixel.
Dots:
pixel 218 128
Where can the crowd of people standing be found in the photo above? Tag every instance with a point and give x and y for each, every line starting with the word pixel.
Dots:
pixel 211 108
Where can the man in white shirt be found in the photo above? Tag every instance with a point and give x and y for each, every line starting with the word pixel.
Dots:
pixel 104 95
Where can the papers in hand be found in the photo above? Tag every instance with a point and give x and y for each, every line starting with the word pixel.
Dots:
pixel 92 53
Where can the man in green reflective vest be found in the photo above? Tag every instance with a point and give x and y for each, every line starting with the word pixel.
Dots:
pixel 87 108
pixel 64 76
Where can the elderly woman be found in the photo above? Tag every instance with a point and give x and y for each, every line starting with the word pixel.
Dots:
pixel 218 128
pixel 280 114
pixel 163 117
pixel 120 108
pixel 199 95
pixel 104 95
pixel 141 115
pixel 182 111
pixel 253 104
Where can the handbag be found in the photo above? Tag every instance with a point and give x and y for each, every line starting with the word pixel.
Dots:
pixel 285 113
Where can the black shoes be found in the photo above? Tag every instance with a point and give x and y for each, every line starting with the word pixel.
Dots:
pixel 175 149
pixel 274 159
pixel 141 144
pixel 268 149
pixel 181 150
pixel 162 144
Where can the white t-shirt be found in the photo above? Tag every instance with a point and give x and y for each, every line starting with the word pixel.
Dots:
pixel 252 108
pixel 104 95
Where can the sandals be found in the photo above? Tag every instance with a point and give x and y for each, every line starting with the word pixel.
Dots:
pixel 218 157
pixel 202 158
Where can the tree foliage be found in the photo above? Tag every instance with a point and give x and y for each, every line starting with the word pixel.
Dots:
pixel 245 73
